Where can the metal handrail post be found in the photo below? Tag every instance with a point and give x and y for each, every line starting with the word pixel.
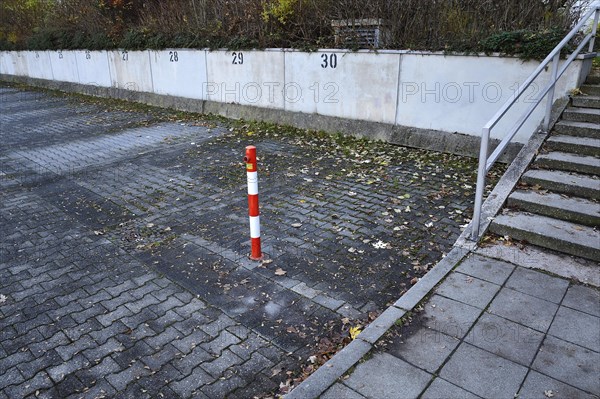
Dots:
pixel 594 30
pixel 481 175
pixel 550 99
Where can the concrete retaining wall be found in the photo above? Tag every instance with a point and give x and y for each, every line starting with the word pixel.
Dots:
pixel 63 65
pixel 400 95
pixel 93 68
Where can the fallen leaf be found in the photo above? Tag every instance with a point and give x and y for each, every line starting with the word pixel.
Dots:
pixel 2 298
pixel 382 245
pixel 354 331
pixel 267 261
pixel 345 320
pixel 296 225
pixel 549 393
pixel 98 233
pixel 280 272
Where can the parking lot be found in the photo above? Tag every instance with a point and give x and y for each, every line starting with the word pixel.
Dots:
pixel 125 241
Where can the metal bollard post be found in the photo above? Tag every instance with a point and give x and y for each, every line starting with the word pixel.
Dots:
pixel 253 212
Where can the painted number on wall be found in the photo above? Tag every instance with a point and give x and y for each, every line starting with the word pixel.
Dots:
pixel 88 55
pixel 329 61
pixel 238 58
pixel 173 56
pixel 60 54
pixel 125 55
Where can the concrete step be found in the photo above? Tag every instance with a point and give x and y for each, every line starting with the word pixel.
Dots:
pixel 576 145
pixel 583 186
pixel 569 162
pixel 593 90
pixel 581 129
pixel 586 101
pixel 558 235
pixel 591 115
pixel 557 206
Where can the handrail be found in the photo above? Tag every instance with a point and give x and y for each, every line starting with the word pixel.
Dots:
pixel 485 162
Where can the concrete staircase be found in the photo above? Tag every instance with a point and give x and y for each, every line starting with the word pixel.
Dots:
pixel 556 203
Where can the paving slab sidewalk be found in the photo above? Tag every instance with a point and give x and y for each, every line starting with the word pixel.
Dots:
pixel 491 329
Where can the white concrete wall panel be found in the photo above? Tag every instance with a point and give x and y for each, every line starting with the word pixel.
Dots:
pixel 20 63
pixel 253 78
pixel 179 72
pixel 461 93
pixel 92 67
pixel 130 70
pixel 568 81
pixel 39 65
pixel 348 85
pixel 64 66
pixel 7 64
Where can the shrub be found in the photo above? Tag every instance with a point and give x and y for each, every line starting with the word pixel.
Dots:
pixel 527 44
pixel 510 26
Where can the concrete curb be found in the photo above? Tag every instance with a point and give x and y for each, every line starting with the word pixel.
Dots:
pixel 337 366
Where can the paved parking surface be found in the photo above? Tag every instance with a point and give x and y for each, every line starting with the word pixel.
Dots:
pixel 124 247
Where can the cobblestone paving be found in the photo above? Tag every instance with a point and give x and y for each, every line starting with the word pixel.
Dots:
pixel 124 267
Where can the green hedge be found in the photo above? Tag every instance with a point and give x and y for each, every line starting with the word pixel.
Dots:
pixel 523 43
pixel 528 29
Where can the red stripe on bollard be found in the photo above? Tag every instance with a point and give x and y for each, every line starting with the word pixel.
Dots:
pixel 253 205
pixel 253 212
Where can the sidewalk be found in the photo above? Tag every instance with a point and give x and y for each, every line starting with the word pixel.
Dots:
pixel 492 330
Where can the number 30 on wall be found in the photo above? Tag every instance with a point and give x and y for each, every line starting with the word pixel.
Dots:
pixel 329 61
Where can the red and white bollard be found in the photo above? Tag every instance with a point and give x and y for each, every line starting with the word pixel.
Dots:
pixel 251 171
